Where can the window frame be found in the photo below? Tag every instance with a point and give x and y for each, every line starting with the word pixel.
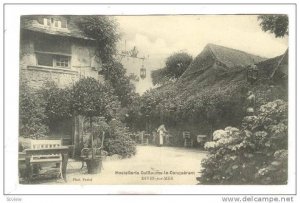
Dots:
pixel 55 57
pixel 55 23
pixel 59 59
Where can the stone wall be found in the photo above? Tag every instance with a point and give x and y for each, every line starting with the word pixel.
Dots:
pixel 83 63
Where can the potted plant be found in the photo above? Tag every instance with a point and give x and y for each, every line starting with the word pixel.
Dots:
pixel 92 153
pixel 93 156
pixel 91 99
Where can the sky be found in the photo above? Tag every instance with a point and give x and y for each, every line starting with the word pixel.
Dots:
pixel 157 37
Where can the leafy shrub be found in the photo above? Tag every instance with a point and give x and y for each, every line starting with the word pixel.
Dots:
pixel 119 141
pixel 256 154
pixel 122 145
pixel 32 113
pixel 92 98
pixel 58 102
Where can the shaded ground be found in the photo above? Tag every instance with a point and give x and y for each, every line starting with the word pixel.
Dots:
pixel 151 165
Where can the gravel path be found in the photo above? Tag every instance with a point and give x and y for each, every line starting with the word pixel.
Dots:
pixel 151 165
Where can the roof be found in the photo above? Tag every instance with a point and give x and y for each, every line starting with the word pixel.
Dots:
pixel 226 59
pixel 233 57
pixel 31 22
pixel 276 65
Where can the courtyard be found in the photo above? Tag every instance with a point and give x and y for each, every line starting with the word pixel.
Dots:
pixel 150 165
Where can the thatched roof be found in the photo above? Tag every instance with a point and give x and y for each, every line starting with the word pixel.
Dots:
pixel 222 57
pixel 35 23
pixel 222 69
pixel 277 66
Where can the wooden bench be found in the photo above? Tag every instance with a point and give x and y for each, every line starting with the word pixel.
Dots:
pixel 46 151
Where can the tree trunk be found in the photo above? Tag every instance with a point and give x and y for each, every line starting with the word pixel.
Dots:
pixel 78 133
pixel 92 138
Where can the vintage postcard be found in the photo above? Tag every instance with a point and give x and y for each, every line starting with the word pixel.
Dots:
pixel 195 99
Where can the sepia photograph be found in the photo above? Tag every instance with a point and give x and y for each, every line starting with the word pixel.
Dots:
pixel 153 99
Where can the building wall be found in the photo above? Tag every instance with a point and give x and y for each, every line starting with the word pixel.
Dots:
pixel 83 63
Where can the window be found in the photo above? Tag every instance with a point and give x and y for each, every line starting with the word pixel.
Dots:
pixel 46 22
pixel 52 22
pixel 62 61
pixel 44 59
pixel 53 51
pixel 64 24
pixel 52 60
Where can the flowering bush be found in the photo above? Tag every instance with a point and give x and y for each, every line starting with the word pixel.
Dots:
pixel 254 154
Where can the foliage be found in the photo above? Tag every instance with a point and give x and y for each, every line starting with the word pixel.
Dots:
pixel 277 24
pixel 115 74
pixel 104 30
pixel 256 154
pixel 159 76
pixel 171 104
pixel 175 66
pixel 91 98
pixel 122 145
pixel 58 105
pixel 98 127
pixel 31 111
pixel 119 142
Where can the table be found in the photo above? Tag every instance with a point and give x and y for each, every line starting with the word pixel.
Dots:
pixel 63 150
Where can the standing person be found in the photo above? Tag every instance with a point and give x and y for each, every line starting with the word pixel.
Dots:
pixel 161 133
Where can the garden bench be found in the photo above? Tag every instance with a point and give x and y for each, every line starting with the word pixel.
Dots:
pixel 46 151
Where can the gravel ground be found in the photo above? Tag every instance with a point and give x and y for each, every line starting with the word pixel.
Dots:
pixel 151 165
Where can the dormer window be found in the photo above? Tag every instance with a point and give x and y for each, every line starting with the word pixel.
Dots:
pixel 56 23
pixel 47 22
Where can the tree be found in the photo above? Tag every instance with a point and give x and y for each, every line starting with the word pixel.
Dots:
pixel 104 30
pixel 159 76
pixel 277 24
pixel 91 98
pixel 175 66
pixel 115 74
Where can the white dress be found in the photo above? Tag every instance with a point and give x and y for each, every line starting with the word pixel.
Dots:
pixel 161 137
pixel 161 132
